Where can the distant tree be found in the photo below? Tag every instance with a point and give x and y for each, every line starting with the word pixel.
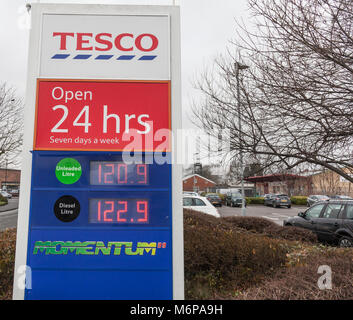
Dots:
pixel 296 99
pixel 210 172
pixel 11 126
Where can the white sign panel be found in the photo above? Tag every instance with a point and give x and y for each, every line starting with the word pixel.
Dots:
pixel 103 46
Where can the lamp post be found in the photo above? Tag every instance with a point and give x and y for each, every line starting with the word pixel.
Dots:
pixel 239 67
pixel 5 184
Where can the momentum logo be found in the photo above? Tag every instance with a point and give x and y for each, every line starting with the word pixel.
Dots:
pixel 115 248
pixel 106 42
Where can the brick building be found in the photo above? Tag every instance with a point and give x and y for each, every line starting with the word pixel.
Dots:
pixel 291 184
pixel 10 179
pixel 331 183
pixel 197 183
pixel 326 182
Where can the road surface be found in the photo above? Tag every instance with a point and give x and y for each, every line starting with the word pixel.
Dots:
pixel 8 215
pixel 277 215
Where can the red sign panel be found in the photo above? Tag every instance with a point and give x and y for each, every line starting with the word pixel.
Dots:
pixel 102 115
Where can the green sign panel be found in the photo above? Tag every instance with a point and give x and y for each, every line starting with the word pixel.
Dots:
pixel 68 170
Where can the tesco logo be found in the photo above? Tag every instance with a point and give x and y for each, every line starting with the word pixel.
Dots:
pixel 103 42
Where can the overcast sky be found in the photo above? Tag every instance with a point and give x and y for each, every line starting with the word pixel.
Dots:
pixel 206 28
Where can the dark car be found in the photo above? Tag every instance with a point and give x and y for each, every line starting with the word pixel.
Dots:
pixel 268 199
pixel 332 221
pixel 234 200
pixel 340 197
pixel 215 199
pixel 278 200
pixel 316 198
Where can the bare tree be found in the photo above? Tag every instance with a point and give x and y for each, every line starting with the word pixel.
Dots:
pixel 11 126
pixel 296 99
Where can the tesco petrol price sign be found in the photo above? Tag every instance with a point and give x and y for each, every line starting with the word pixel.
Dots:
pixel 102 115
pixel 100 213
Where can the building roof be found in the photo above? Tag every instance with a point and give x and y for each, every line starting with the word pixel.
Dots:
pixel 197 175
pixel 9 169
pixel 275 177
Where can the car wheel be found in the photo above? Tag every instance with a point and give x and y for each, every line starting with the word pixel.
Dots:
pixel 345 242
pixel 289 207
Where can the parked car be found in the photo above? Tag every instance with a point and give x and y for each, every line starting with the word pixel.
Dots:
pixel 234 200
pixel 278 200
pixel 268 199
pixel 6 194
pixel 200 204
pixel 215 199
pixel 14 192
pixel 332 221
pixel 189 193
pixel 340 197
pixel 315 198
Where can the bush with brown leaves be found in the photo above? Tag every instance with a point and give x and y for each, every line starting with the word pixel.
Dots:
pixel 300 281
pixel 219 256
pixel 7 261
pixel 271 229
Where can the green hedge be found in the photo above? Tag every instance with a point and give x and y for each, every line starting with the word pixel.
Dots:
pixel 255 200
pixel 299 200
pixel 3 200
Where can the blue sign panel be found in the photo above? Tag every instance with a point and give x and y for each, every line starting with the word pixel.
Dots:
pixel 100 228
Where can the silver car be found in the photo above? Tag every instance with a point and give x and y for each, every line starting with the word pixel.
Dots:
pixel 316 198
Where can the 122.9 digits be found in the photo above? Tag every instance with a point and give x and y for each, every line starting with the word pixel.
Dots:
pixel 118 173
pixel 118 211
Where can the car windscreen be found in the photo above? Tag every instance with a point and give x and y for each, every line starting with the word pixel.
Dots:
pixel 236 195
pixel 322 197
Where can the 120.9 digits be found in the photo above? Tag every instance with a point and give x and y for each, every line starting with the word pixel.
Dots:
pixel 118 173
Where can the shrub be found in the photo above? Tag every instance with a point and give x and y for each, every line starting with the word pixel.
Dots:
pixel 290 233
pixel 255 200
pixel 222 196
pixel 219 255
pixel 299 200
pixel 3 200
pixel 7 261
pixel 250 223
pixel 271 229
pixel 299 282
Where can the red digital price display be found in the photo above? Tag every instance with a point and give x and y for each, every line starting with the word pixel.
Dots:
pixel 118 173
pixel 117 211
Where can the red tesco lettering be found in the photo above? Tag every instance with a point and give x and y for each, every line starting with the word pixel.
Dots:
pixel 106 41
